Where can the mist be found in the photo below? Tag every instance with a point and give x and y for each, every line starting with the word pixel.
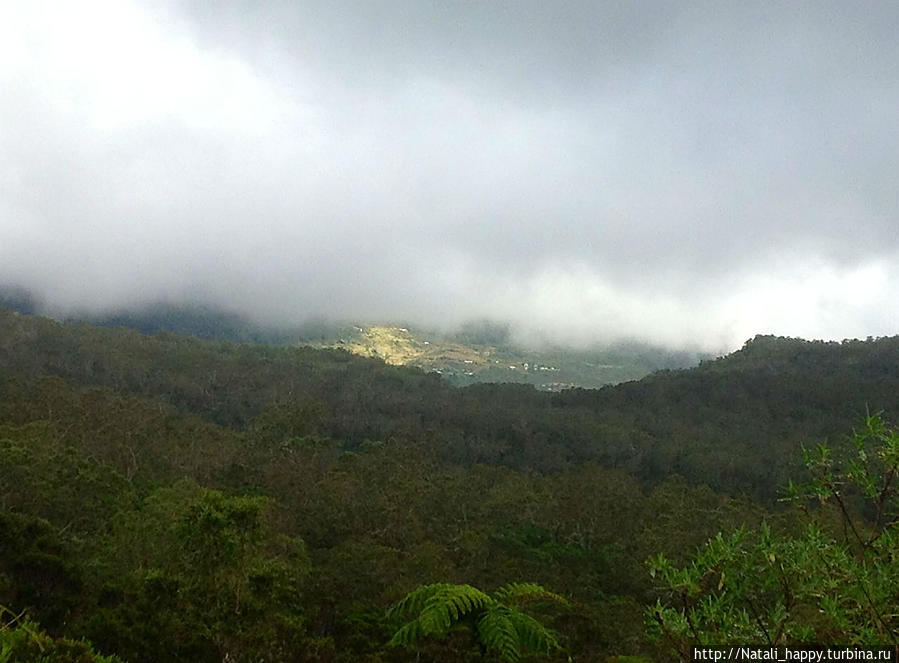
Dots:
pixel 684 174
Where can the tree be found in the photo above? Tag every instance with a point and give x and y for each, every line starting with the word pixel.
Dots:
pixel 201 575
pixel 832 583
pixel 23 641
pixel 497 623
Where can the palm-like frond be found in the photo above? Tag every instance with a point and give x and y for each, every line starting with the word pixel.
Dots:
pixel 496 629
pixel 498 622
pixel 532 634
pixel 440 606
pixel 408 634
pixel 415 601
pixel 527 592
pixel 450 604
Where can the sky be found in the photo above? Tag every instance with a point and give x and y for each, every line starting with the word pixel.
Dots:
pixel 685 173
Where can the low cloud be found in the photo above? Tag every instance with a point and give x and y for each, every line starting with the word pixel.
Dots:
pixel 683 174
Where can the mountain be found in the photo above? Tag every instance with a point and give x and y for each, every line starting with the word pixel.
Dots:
pixel 19 299
pixel 477 352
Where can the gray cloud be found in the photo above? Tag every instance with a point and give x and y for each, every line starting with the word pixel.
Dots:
pixel 676 171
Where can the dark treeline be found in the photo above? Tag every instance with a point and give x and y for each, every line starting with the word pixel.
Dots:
pixel 169 498
pixel 720 424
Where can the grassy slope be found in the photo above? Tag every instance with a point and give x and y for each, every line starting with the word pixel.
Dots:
pixel 548 369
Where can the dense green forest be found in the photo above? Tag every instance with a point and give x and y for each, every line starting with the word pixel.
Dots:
pixel 169 498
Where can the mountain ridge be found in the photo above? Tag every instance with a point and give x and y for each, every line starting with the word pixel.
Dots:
pixel 718 423
pixel 479 351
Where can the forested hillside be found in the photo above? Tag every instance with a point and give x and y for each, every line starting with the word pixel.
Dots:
pixel 720 424
pixel 478 351
pixel 170 498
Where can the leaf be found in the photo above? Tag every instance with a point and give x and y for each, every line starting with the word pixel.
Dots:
pixel 414 601
pixel 497 621
pixel 526 592
pixel 497 632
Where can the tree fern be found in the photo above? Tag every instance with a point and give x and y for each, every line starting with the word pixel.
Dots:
pixel 496 631
pixel 414 601
pixel 532 634
pixel 526 592
pixel 496 621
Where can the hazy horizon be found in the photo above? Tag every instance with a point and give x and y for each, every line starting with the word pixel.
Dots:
pixel 688 174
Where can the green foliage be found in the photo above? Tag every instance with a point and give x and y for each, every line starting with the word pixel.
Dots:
pixel 825 585
pixel 36 570
pixel 497 621
pixel 207 572
pixel 214 500
pixel 718 424
pixel 42 475
pixel 23 641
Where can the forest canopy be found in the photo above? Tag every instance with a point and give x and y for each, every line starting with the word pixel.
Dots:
pixel 212 499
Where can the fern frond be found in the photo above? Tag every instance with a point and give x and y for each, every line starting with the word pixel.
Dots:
pixel 439 607
pixel 527 592
pixel 497 631
pixel 534 635
pixel 500 625
pixel 448 605
pixel 463 599
pixel 415 601
pixel 407 634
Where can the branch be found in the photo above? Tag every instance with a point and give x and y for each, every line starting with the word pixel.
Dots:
pixel 689 620
pixel 758 619
pixel 881 501
pixel 848 519
pixel 683 653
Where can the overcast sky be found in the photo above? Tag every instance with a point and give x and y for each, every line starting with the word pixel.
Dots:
pixel 676 171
